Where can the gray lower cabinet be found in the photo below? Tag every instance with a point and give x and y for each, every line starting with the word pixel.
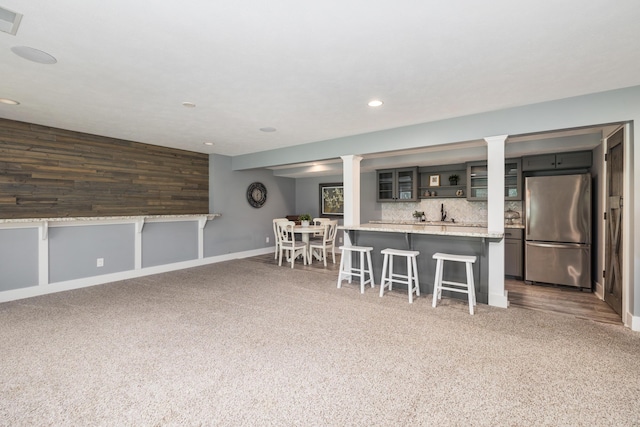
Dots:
pixel 513 252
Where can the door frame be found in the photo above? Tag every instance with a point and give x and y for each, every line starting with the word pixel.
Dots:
pixel 627 317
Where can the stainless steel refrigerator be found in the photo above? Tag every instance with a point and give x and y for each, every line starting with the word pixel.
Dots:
pixel 558 230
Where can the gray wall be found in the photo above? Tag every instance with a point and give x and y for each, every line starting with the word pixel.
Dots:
pixel 169 242
pixel 73 251
pixel 18 258
pixel 308 194
pixel 241 226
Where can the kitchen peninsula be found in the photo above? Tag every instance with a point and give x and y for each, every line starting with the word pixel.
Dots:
pixel 429 238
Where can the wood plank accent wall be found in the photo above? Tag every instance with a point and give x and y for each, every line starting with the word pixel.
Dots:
pixel 51 173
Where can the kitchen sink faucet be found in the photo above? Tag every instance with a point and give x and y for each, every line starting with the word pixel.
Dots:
pixel 443 213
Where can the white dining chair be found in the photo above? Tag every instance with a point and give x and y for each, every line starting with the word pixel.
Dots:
pixel 276 235
pixel 289 244
pixel 319 221
pixel 328 242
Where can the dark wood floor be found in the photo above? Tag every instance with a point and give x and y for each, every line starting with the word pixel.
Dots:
pixel 553 299
pixel 562 300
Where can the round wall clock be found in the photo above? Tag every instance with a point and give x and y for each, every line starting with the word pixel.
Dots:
pixel 257 194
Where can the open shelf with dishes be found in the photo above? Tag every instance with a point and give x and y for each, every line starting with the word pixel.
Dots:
pixel 435 182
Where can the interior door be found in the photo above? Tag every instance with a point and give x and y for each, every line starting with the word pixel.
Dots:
pixel 613 223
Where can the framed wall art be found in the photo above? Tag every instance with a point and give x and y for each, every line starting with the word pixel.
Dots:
pixel 332 199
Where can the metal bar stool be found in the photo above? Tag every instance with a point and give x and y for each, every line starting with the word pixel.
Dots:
pixel 466 288
pixel 354 271
pixel 410 279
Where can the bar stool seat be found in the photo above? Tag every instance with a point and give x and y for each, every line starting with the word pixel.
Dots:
pixel 466 288
pixel 410 279
pixel 354 271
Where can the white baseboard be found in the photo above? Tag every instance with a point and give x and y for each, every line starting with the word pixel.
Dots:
pixel 599 290
pixel 633 322
pixel 497 300
pixel 34 291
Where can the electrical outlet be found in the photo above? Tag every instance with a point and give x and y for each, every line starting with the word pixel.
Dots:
pixel 267 239
pixel 340 240
pixel 100 262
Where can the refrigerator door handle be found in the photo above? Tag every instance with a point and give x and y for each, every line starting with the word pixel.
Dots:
pixel 527 210
pixel 557 245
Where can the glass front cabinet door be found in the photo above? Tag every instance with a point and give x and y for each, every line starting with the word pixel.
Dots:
pixel 477 180
pixel 513 180
pixel 397 185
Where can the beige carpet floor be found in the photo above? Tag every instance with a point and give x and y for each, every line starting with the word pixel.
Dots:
pixel 244 343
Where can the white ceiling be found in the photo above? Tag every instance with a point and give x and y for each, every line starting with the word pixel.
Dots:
pixel 306 68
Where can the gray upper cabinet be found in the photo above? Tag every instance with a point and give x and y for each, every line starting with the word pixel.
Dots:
pixel 539 163
pixel 571 160
pixel 397 185
pixel 477 180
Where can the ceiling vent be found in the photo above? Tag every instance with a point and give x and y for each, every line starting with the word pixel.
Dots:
pixel 9 21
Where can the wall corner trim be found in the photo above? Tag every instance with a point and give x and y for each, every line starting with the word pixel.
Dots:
pixel 634 322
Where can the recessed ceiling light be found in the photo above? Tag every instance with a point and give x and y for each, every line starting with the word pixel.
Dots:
pixel 189 104
pixel 34 55
pixel 268 129
pixel 208 143
pixel 375 103
pixel 8 101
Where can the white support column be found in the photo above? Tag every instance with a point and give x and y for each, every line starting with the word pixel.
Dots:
pixel 43 253
pixel 202 222
pixel 351 183
pixel 351 178
pixel 495 212
pixel 137 248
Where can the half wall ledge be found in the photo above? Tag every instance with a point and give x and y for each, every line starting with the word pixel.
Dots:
pixel 139 220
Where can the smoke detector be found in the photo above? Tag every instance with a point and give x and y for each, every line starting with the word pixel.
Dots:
pixel 9 21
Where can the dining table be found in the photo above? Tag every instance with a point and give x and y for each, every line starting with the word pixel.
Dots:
pixel 306 231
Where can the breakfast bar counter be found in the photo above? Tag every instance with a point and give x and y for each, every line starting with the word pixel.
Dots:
pixel 429 239
pixel 441 229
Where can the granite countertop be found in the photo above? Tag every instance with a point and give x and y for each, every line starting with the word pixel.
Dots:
pixel 109 218
pixel 449 229
pixel 448 223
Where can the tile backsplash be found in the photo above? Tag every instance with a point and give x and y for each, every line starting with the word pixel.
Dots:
pixel 459 209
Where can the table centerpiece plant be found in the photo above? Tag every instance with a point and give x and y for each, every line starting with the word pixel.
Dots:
pixel 304 219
